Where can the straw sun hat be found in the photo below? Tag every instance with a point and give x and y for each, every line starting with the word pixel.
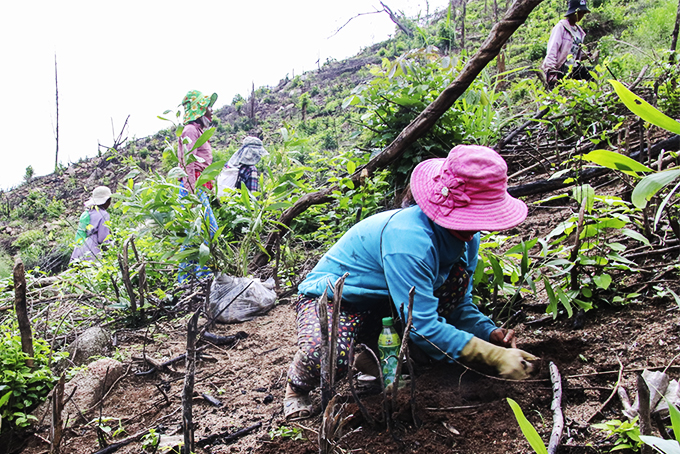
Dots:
pixel 467 191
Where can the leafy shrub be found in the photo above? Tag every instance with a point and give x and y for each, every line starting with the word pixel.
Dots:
pixel 22 388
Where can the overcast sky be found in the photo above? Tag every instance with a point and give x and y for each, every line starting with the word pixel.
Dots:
pixel 139 58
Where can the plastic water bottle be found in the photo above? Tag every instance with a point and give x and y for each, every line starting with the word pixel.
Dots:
pixel 389 344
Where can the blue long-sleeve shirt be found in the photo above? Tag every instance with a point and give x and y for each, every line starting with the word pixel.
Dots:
pixel 389 253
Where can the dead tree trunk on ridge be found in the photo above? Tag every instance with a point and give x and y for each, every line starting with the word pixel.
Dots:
pixel 499 34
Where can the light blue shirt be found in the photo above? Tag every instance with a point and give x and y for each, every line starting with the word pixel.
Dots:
pixel 400 249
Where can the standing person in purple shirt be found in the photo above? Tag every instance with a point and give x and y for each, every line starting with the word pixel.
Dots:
pixel 245 160
pixel 92 227
pixel 565 46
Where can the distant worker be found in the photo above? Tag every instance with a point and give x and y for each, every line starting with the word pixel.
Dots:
pixel 92 228
pixel 245 160
pixel 197 118
pixel 565 47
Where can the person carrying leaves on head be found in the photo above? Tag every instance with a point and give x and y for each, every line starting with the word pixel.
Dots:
pixel 93 230
pixel 197 118
pixel 565 47
pixel 245 160
pixel 431 244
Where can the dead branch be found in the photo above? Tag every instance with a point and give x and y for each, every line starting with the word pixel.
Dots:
pixel 123 262
pixel 350 380
pixel 57 424
pixel 116 446
pixel 543 186
pixel 556 407
pixel 514 17
pixel 333 345
pixel 322 309
pixel 22 311
pixel 188 391
pixel 507 139
pixel 396 20
pixel 615 391
pixel 225 437
pixel 403 355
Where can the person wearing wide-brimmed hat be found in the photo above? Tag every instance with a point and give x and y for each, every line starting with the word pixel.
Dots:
pixel 431 245
pixel 93 230
pixel 565 46
pixel 197 118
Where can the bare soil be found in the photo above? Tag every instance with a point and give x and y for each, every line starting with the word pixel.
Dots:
pixel 459 409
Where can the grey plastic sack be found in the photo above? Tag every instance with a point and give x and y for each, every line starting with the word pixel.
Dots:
pixel 229 307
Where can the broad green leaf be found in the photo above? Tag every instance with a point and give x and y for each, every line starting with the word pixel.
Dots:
pixel 203 254
pixel 210 173
pixel 5 398
pixel 661 445
pixel 351 167
pixel 565 300
pixel 603 281
pixel 207 134
pixel 673 410
pixel 677 300
pixel 663 204
pixel 616 161
pixel 552 299
pixel 636 236
pixel 644 110
pixel 651 184
pixel 585 195
pixel 528 430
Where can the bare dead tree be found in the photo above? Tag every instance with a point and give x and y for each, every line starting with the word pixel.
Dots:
pixel 674 36
pixel 56 129
pixel 462 25
pixel 252 103
pixel 117 141
pixel 396 20
pixel 386 10
pixel 500 33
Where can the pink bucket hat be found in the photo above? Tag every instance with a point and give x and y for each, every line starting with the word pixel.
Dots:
pixel 467 191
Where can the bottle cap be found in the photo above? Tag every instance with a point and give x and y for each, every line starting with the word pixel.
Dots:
pixel 387 321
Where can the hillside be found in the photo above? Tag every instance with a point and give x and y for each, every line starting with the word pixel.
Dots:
pixel 589 281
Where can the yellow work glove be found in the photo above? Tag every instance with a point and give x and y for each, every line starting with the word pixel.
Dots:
pixel 509 362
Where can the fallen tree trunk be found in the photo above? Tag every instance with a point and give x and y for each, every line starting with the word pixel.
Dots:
pixel 514 17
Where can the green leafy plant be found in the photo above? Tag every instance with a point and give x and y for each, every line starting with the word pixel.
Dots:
pixel 293 433
pixel 627 433
pixel 22 388
pixel 150 441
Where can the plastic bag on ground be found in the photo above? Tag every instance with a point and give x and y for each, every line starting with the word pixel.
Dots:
pixel 229 307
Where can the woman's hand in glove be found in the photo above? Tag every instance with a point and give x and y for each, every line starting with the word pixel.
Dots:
pixel 509 362
pixel 503 337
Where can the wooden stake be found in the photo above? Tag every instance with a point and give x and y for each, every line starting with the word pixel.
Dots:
pixel 57 424
pixel 645 416
pixel 22 312
pixel 188 392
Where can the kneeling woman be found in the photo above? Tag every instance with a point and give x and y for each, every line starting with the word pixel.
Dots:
pixel 432 245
